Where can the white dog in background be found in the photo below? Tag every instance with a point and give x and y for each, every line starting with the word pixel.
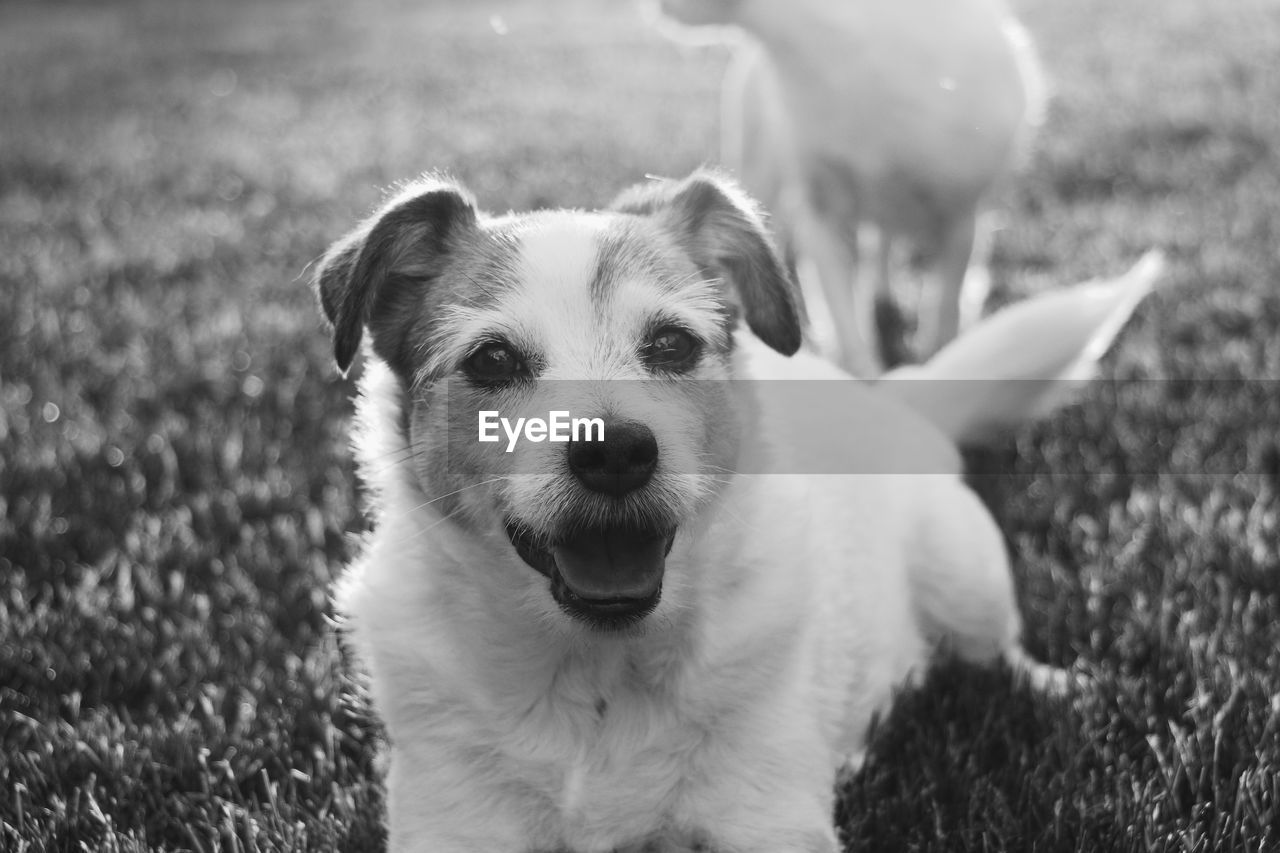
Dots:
pixel 859 122
pixel 627 645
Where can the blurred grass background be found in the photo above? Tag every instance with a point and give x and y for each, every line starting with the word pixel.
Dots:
pixel 176 491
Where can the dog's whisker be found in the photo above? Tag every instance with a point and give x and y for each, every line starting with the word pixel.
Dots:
pixel 720 468
pixel 370 473
pixel 391 457
pixel 423 531
pixel 733 515
pixel 427 503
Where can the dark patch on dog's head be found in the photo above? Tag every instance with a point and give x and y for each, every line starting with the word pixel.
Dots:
pixel 632 249
pixel 377 276
pixel 721 231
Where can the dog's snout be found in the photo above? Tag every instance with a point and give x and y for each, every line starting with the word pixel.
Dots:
pixel 621 463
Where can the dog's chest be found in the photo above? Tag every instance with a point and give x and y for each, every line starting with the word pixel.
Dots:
pixel 635 754
pixel 608 750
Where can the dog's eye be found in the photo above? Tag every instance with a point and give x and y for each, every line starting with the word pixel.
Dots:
pixel 494 363
pixel 670 348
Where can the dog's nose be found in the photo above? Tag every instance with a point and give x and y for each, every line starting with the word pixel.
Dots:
pixel 621 463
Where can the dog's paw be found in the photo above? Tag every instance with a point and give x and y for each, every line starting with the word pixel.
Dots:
pixel 672 842
pixel 1043 678
pixel 818 841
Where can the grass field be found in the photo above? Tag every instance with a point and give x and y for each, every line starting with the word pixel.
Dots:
pixel 176 491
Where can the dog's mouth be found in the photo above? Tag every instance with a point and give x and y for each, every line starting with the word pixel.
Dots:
pixel 609 577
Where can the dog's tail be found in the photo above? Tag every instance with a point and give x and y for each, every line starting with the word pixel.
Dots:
pixel 1025 361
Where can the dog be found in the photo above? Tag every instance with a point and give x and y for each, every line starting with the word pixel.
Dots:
pixel 861 123
pixel 621 642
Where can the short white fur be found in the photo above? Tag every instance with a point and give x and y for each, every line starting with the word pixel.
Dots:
pixel 794 608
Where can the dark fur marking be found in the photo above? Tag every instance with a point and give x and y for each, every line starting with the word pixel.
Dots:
pixel 394 272
pixel 726 238
pixel 372 274
pixel 629 249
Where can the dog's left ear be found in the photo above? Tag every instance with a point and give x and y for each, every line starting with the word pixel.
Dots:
pixel 722 230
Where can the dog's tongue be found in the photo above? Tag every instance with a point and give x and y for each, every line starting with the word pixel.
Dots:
pixel 612 564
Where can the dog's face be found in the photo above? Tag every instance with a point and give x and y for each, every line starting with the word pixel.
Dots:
pixel 611 318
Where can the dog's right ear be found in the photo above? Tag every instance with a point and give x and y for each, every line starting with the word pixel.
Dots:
pixel 374 275
pixel 723 232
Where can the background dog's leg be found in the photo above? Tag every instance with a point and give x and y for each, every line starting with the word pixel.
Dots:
pixel 977 279
pixel 832 250
pixel 755 145
pixel 943 281
pixel 751 143
pixel 870 284
pixel 877 308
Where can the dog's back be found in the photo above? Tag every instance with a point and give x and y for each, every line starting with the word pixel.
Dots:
pixel 917 105
pixel 864 122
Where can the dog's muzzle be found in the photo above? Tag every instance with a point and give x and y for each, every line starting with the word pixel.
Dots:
pixel 610 577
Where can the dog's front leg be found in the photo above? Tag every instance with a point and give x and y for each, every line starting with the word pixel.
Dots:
pixel 667 843
pixel 943 286
pixel 811 842
pixel 766 806
pixel 792 841
pixel 802 841
pixel 435 806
